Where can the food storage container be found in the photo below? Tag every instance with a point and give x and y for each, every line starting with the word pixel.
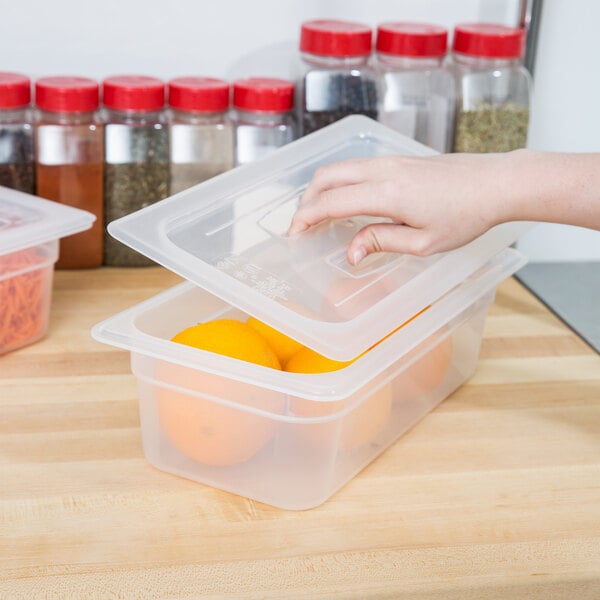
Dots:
pixel 69 150
pixel 417 94
pixel 136 155
pixel 17 167
pixel 337 79
pixel 263 116
pixel 292 439
pixel 30 228
pixel 493 88
pixel 200 131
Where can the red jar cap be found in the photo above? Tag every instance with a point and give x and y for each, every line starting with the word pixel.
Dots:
pixel 489 40
pixel 15 90
pixel 328 37
pixel 66 94
pixel 204 94
pixel 133 92
pixel 263 94
pixel 412 39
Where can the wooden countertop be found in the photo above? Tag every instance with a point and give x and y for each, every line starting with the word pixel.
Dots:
pixel 496 494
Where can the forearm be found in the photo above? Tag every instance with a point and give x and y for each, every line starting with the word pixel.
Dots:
pixel 552 187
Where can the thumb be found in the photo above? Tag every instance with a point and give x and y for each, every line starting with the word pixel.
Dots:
pixel 388 237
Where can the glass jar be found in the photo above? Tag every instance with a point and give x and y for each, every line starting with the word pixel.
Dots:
pixel 200 132
pixel 263 117
pixel 493 88
pixel 417 94
pixel 136 155
pixel 337 80
pixel 17 168
pixel 69 151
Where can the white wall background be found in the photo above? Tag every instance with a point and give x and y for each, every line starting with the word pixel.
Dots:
pixel 232 38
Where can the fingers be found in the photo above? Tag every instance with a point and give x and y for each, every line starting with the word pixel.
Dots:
pixel 337 203
pixel 389 237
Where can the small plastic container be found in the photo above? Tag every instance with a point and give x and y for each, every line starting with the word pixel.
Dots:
pixel 69 149
pixel 337 79
pixel 292 439
pixel 417 95
pixel 30 228
pixel 17 161
pixel 136 155
pixel 200 131
pixel 263 117
pixel 493 88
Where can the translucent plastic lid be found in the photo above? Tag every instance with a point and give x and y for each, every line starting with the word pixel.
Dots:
pixel 228 236
pixel 27 220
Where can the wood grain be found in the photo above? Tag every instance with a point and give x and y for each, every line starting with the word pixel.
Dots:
pixel 494 495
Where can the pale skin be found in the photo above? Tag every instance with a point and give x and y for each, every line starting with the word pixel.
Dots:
pixel 442 202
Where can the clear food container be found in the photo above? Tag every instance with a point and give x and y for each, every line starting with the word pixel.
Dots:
pixel 30 228
pixel 292 439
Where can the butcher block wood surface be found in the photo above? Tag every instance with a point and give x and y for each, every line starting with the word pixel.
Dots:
pixel 494 495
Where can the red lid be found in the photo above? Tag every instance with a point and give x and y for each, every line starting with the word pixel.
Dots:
pixel 412 39
pixel 66 94
pixel 263 94
pixel 489 40
pixel 204 94
pixel 15 90
pixel 328 37
pixel 133 92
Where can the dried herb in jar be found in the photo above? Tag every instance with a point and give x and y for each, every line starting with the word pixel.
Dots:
pixel 491 128
pixel 136 175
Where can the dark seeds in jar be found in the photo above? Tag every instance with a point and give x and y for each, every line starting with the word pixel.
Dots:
pixel 17 169
pixel 328 98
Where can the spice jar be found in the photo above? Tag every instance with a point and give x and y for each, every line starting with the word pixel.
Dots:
pixel 69 150
pixel 200 132
pixel 17 169
pixel 493 88
pixel 136 155
pixel 417 94
pixel 338 80
pixel 262 117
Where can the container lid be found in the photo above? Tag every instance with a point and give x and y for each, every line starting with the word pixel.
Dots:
pixel 205 94
pixel 329 37
pixel 228 235
pixel 412 39
pixel 15 90
pixel 489 40
pixel 133 92
pixel 263 94
pixel 27 220
pixel 66 94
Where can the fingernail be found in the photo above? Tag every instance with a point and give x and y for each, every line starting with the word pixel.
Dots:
pixel 358 255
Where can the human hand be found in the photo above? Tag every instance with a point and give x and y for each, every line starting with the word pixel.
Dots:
pixel 435 203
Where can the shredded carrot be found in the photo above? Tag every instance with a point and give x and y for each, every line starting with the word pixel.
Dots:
pixel 23 298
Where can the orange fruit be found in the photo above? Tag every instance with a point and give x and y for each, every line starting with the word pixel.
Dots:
pixel 201 427
pixel 359 426
pixel 231 338
pixel 427 372
pixel 283 346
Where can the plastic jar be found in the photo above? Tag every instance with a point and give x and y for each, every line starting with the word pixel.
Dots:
pixel 69 151
pixel 17 168
pixel 493 88
pixel 263 117
pixel 337 79
pixel 136 155
pixel 417 95
pixel 200 132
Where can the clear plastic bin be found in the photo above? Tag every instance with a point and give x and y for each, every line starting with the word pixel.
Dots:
pixel 287 439
pixel 29 232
